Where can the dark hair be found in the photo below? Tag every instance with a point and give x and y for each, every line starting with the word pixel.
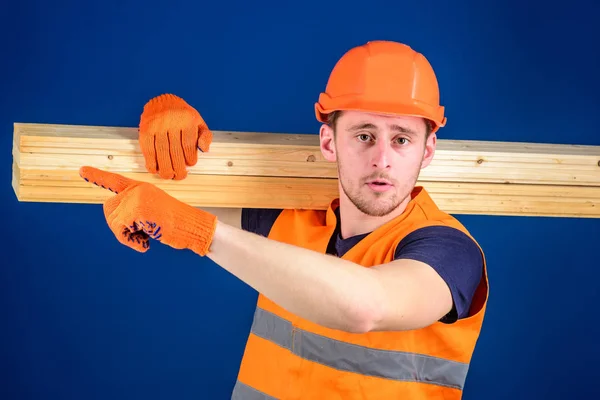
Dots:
pixel 335 115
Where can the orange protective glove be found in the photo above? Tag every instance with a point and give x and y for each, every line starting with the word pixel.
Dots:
pixel 171 132
pixel 141 211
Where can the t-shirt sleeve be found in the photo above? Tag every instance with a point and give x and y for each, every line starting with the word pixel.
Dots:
pixel 455 257
pixel 259 220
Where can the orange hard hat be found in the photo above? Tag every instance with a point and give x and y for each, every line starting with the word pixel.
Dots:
pixel 383 77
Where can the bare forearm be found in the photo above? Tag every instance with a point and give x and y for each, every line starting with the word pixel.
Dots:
pixel 324 289
pixel 231 216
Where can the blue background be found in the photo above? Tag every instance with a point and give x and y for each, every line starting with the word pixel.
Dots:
pixel 83 317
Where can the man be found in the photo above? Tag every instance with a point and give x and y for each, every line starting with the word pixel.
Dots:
pixel 380 296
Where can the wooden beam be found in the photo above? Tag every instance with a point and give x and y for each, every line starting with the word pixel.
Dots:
pixel 278 170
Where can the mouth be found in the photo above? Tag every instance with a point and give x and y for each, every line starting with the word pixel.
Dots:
pixel 381 182
pixel 380 185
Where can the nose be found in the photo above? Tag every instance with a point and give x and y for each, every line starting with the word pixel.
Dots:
pixel 381 156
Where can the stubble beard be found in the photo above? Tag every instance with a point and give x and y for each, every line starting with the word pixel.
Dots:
pixel 377 204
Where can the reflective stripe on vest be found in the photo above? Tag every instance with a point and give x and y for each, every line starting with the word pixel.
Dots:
pixel 396 365
pixel 242 391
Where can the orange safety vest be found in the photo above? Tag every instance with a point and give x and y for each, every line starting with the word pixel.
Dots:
pixel 288 357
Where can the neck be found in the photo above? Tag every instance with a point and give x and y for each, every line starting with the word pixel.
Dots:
pixel 355 222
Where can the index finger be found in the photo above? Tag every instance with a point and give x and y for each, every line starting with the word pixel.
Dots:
pixel 108 180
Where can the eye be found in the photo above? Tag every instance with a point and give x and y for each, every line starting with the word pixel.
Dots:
pixel 363 137
pixel 402 140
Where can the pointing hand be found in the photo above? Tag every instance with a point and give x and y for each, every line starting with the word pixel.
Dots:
pixel 140 211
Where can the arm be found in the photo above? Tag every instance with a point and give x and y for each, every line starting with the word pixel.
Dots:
pixel 336 293
pixel 230 216
pixel 404 294
pixel 256 220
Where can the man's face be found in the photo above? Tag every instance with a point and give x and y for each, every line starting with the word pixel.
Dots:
pixel 378 157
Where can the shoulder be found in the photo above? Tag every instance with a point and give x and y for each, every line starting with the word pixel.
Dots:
pixel 440 241
pixel 454 255
pixel 259 220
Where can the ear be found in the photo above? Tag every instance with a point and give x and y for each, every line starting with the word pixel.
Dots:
pixel 430 146
pixel 327 141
